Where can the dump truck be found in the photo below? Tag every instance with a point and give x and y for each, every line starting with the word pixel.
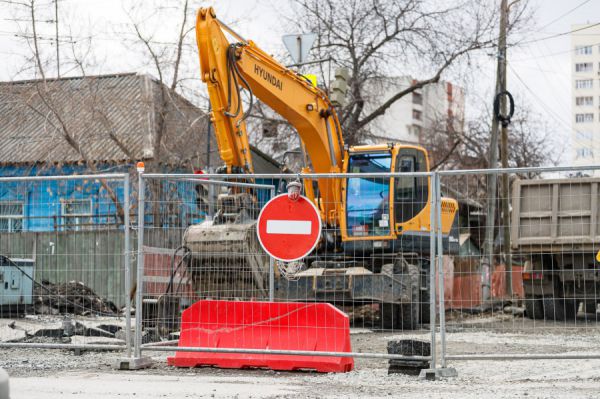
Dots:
pixel 555 230
pixel 375 241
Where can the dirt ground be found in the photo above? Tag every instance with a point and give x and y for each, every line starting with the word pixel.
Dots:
pixel 58 373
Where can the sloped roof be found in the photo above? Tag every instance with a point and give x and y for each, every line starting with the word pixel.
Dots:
pixel 109 118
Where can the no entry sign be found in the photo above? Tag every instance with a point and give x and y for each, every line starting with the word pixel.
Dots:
pixel 288 230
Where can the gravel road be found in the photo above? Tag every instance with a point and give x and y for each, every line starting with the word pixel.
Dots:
pixel 53 374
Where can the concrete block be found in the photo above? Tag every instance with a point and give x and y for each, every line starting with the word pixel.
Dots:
pixel 11 334
pixel 438 374
pixel 133 363
pixel 4 388
pixel 408 347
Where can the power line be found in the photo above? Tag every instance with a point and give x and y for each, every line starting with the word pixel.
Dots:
pixel 565 14
pixel 558 34
pixel 550 112
pixel 552 54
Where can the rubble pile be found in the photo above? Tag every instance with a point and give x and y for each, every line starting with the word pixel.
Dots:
pixel 73 297
pixel 365 315
pixel 63 329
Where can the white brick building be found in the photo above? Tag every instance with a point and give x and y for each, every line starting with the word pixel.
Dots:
pixel 585 76
pixel 409 118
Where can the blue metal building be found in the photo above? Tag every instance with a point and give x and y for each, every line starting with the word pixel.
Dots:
pixel 97 124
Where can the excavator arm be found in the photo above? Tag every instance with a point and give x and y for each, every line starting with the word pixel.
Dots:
pixel 227 67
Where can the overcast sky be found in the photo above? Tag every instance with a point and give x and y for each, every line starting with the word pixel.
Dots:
pixel 539 72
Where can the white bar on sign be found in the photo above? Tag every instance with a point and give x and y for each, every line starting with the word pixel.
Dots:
pixel 300 227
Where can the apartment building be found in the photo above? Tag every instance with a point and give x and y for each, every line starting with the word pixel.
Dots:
pixel 585 76
pixel 436 106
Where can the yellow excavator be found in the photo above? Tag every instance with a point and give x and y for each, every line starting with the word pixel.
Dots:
pixel 375 239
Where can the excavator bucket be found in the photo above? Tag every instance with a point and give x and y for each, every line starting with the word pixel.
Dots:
pixel 264 325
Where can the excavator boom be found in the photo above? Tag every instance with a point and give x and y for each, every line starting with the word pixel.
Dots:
pixel 228 67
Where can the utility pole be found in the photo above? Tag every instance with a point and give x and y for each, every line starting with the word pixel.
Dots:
pixel 57 45
pixel 505 181
pixel 488 244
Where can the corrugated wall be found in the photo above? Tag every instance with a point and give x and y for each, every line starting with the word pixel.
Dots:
pixel 93 257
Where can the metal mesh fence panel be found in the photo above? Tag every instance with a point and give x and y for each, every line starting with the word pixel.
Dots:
pixel 205 269
pixel 525 278
pixel 64 261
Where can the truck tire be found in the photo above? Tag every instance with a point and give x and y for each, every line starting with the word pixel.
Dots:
pixel 560 309
pixel 534 308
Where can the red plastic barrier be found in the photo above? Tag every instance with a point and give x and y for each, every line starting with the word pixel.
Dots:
pixel 264 325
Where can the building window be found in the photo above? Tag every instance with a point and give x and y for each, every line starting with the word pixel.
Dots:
pixel 417 98
pixel 586 101
pixel 584 67
pixel 583 50
pixel 584 153
pixel 417 131
pixel 11 216
pixel 584 135
pixel 417 115
pixel 76 213
pixel 584 118
pixel 584 84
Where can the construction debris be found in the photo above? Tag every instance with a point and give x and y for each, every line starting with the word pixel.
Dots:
pixel 10 334
pixel 55 329
pixel 365 315
pixel 73 297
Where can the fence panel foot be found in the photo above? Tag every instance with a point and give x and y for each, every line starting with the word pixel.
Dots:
pixel 133 363
pixel 438 373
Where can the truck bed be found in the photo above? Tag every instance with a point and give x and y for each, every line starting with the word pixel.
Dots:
pixel 554 214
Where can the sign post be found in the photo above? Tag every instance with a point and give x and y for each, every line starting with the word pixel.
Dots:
pixel 299 45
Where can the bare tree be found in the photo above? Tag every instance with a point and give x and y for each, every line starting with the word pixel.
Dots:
pixel 380 38
pixel 171 63
pixel 40 97
pixel 530 141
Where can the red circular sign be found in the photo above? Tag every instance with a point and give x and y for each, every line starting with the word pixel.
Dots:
pixel 288 230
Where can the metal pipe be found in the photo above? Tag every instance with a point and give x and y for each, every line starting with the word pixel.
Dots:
pixel 140 266
pixel 127 260
pixel 387 175
pixel 271 279
pixel 526 356
pixel 283 352
pixel 537 169
pixel 107 176
pixel 272 267
pixel 234 33
pixel 432 247
pixel 41 345
pixel 440 264
pixel 230 183
pixel 540 169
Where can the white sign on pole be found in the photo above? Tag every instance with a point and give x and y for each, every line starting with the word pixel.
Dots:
pixel 299 45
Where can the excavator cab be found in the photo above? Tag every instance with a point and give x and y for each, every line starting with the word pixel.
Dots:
pixel 380 208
